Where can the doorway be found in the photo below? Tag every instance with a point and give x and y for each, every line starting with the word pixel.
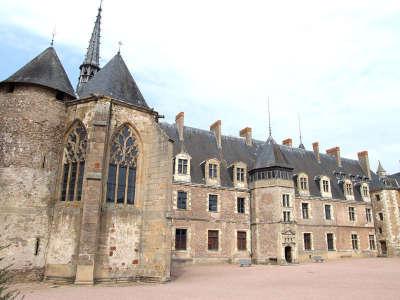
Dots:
pixel 383 248
pixel 288 254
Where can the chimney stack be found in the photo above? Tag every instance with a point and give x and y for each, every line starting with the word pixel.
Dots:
pixel 287 142
pixel 363 160
pixel 335 152
pixel 180 123
pixel 246 133
pixel 315 147
pixel 216 129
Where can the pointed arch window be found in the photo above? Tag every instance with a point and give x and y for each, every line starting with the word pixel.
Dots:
pixel 74 163
pixel 122 167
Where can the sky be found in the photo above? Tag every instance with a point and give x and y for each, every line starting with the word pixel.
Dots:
pixel 336 64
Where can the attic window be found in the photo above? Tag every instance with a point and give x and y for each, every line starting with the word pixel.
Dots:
pixel 60 96
pixel 10 88
pixel 240 174
pixel 349 189
pixel 325 186
pixel 212 171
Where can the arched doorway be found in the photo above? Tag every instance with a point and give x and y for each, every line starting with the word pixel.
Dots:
pixel 288 254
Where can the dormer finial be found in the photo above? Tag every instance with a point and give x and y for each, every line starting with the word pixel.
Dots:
pixel 53 34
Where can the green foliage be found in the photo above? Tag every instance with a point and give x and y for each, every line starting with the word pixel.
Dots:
pixel 5 279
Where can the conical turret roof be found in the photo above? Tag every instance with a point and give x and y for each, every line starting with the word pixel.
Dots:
pixel 115 81
pixel 270 155
pixel 45 70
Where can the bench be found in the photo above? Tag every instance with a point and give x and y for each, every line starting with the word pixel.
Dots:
pixel 318 259
pixel 245 262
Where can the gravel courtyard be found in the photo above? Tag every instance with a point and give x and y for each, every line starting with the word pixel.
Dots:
pixel 374 278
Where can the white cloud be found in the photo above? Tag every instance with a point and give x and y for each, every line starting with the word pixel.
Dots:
pixel 335 62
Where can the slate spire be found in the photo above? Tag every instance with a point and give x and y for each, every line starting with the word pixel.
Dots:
pixel 381 171
pixel 114 80
pixel 91 63
pixel 301 146
pixel 270 139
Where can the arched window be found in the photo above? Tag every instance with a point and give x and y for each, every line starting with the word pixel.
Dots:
pixel 74 163
pixel 122 167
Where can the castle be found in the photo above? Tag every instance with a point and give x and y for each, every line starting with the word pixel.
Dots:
pixel 94 188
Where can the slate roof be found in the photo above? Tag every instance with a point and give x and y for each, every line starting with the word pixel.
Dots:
pixel 270 155
pixel 114 80
pixel 45 70
pixel 201 145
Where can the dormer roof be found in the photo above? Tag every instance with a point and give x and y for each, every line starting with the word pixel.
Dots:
pixel 45 70
pixel 114 80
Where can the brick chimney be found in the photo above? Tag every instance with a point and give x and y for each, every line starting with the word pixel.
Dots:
pixel 363 160
pixel 315 147
pixel 335 152
pixel 246 133
pixel 216 129
pixel 180 123
pixel 287 142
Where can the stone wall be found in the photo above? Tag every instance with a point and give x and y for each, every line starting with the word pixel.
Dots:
pixel 198 220
pixel 32 123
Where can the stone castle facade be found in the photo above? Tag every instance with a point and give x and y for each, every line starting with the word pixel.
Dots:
pixel 94 188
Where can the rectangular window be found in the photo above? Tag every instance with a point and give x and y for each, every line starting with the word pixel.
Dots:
pixel 372 242
pixel 303 183
pixel 213 240
pixel 368 214
pixel 240 174
pixel 286 216
pixel 377 197
pixel 182 166
pixel 307 241
pixel 354 241
pixel 285 200
pixel 212 171
pixel 329 242
pixel 349 189
pixel 182 200
pixel 380 216
pixel 180 239
pixel 328 212
pixel 240 205
pixel 352 214
pixel 304 210
pixel 241 240
pixel 213 203
pixel 365 191
pixel 380 230
pixel 325 186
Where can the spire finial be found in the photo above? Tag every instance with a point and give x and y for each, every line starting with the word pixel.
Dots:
pixel 53 34
pixel 269 120
pixel 301 146
pixel 101 4
pixel 119 47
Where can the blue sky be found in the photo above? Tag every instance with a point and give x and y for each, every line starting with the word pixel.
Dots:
pixel 336 63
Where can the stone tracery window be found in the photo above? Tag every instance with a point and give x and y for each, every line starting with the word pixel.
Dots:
pixel 74 163
pixel 122 167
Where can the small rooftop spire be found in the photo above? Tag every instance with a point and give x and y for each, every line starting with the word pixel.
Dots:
pixel 119 47
pixel 270 139
pixel 381 171
pixel 91 63
pixel 53 34
pixel 301 146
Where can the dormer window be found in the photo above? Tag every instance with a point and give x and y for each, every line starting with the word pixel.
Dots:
pixel 325 187
pixel 212 171
pixel 302 184
pixel 240 174
pixel 348 189
pixel 182 166
pixel 364 190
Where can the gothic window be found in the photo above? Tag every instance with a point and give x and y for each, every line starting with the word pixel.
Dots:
pixel 74 163
pixel 122 167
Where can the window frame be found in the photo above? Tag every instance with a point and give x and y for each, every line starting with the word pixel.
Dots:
pixel 330 212
pixel 209 203
pixel 305 211
pixel 333 241
pixel 309 242
pixel 183 166
pixel 178 200
pixel 240 241
pixel 352 213
pixel 178 241
pixel 241 205
pixel 354 241
pixel 212 240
